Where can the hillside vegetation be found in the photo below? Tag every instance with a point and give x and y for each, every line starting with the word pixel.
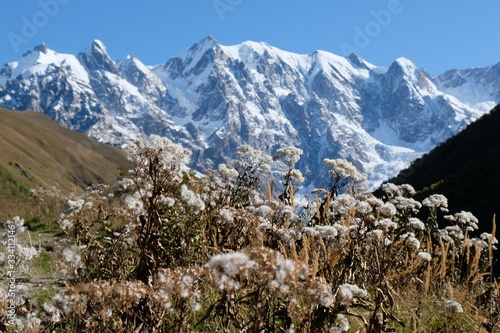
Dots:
pixel 465 168
pixel 36 152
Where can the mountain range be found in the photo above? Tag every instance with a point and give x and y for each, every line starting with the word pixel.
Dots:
pixel 214 98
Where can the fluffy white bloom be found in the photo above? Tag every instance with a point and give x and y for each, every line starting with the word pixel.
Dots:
pixel 374 235
pixel 387 210
pixel 386 225
pixel 226 214
pixel 347 293
pixel 133 203
pixel 435 201
pixel 297 175
pixel 290 155
pixel 231 264
pixel 192 199
pixel 72 207
pixel 455 232
pixel 390 189
pixel 17 223
pixel 285 267
pixel 343 325
pixel 375 202
pixel 343 168
pixel 416 224
pixel 263 211
pixel 411 241
pixel 309 231
pixel 26 253
pixel 424 256
pixel 253 156
pixel 53 311
pixel 343 204
pixel 71 255
pixel 403 203
pixel 124 184
pixel 449 306
pixel 363 208
pixel 228 173
pixel 466 219
pixel 342 230
pixel 66 224
pixel 326 232
pixel 487 237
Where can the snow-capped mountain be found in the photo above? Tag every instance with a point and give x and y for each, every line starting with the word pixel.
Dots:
pixel 213 98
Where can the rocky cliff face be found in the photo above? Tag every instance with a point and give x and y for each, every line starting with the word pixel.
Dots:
pixel 213 98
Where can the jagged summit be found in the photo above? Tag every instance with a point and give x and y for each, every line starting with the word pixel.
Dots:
pixel 41 48
pixel 96 56
pixel 213 98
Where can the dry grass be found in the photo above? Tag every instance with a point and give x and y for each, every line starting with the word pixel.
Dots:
pixel 169 252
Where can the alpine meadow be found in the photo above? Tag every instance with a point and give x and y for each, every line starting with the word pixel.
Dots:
pixel 243 187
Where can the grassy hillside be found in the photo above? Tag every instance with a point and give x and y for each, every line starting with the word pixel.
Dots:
pixel 35 151
pixel 466 169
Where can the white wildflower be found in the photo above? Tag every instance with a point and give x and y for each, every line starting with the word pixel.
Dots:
pixel 263 211
pixel 391 190
pixel 297 175
pixel 71 255
pixel 229 265
pixel 416 224
pixel 343 204
pixel 386 225
pixel 66 224
pixel 424 256
pixel 343 325
pixel 226 214
pixel 411 241
pixel 72 207
pixel 290 155
pixel 191 199
pixel 406 204
pixel 326 232
pixel 53 311
pixel 487 237
pixel 374 235
pixel 363 208
pixel 343 168
pixel 449 306
pixel 26 253
pixel 310 231
pixel 18 224
pixel 348 294
pixel 466 219
pixel 435 201
pixel 228 173
pixel 388 210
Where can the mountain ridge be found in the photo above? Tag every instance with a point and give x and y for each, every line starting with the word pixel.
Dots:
pixel 37 152
pixel 212 98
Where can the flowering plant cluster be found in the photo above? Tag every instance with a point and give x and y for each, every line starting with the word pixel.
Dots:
pixel 167 250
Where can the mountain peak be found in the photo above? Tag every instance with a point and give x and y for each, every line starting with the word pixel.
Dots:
pixel 41 48
pixel 206 43
pixel 97 47
pixel 359 62
pixel 96 56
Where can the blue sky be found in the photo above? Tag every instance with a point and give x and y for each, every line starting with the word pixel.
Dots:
pixel 435 34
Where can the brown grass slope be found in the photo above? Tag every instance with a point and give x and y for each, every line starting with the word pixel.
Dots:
pixel 35 151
